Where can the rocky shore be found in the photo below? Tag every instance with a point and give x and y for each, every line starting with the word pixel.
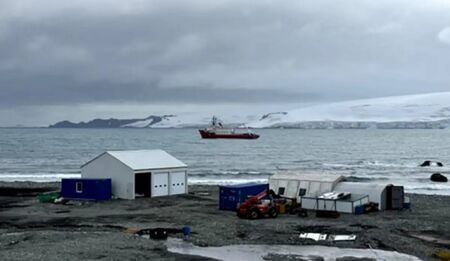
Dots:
pixel 79 230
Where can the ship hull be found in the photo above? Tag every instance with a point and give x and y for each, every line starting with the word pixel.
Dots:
pixel 212 135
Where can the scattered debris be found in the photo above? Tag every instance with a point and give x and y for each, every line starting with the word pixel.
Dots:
pixel 159 233
pixel 371 207
pixel 61 200
pixel 326 237
pixel 313 236
pixel 155 233
pixel 342 238
pixel 442 254
pixel 48 197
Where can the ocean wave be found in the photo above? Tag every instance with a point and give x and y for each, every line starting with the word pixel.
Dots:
pixel 230 173
pixel 194 181
pixel 370 164
pixel 44 177
pixel 363 179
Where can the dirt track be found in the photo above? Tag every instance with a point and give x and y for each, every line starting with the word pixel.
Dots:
pixel 95 230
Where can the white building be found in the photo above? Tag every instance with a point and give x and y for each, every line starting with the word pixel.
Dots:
pixel 378 193
pixel 134 173
pixel 344 205
pixel 308 187
pixel 298 184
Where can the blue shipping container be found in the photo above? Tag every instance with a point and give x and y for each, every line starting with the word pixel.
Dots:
pixel 86 189
pixel 230 196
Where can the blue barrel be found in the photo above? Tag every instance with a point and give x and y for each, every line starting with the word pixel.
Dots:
pixel 359 210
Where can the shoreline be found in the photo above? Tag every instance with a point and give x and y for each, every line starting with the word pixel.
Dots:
pixel 29 228
pixel 23 184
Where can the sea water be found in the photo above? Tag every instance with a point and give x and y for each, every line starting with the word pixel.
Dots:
pixel 377 156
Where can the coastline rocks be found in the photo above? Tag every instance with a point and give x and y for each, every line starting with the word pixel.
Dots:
pixel 438 177
pixel 429 163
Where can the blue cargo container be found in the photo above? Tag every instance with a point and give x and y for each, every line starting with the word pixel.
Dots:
pixel 86 189
pixel 231 195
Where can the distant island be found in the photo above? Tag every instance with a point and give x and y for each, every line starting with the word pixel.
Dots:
pixel 106 123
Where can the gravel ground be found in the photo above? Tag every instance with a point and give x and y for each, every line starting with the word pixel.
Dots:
pixel 96 230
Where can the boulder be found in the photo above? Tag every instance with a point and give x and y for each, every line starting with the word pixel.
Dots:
pixel 438 177
pixel 428 163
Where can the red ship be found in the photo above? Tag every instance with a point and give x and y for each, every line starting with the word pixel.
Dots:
pixel 216 131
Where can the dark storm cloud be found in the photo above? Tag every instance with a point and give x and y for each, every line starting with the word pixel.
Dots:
pixel 61 91
pixel 54 52
pixel 166 56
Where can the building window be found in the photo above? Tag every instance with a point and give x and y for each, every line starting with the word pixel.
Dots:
pixel 281 191
pixel 301 192
pixel 79 187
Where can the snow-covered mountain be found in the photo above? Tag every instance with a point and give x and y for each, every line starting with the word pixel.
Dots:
pixel 409 111
pixel 422 111
pixel 189 120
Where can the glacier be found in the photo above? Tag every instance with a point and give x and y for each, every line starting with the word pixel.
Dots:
pixel 408 111
pixel 419 111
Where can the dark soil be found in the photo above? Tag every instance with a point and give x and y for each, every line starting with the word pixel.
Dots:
pixel 30 230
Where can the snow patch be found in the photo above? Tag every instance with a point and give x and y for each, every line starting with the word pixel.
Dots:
pixel 408 108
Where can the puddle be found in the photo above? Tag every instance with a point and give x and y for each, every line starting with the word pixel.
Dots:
pixel 267 252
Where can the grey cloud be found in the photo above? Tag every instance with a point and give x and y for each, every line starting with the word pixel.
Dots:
pixel 444 35
pixel 220 51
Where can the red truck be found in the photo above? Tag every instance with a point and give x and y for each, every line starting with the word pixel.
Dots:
pixel 255 207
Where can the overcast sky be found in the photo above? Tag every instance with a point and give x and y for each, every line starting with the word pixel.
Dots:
pixel 82 59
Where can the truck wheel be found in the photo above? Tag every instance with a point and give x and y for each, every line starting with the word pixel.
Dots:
pixel 253 214
pixel 273 213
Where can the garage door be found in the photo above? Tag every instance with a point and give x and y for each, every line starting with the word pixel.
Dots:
pixel 177 183
pixel 160 184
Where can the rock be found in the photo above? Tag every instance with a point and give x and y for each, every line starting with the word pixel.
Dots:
pixel 438 177
pixel 429 163
pixel 426 163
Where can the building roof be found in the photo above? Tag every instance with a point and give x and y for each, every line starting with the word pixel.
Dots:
pixel 373 190
pixel 307 176
pixel 145 159
pixel 244 185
